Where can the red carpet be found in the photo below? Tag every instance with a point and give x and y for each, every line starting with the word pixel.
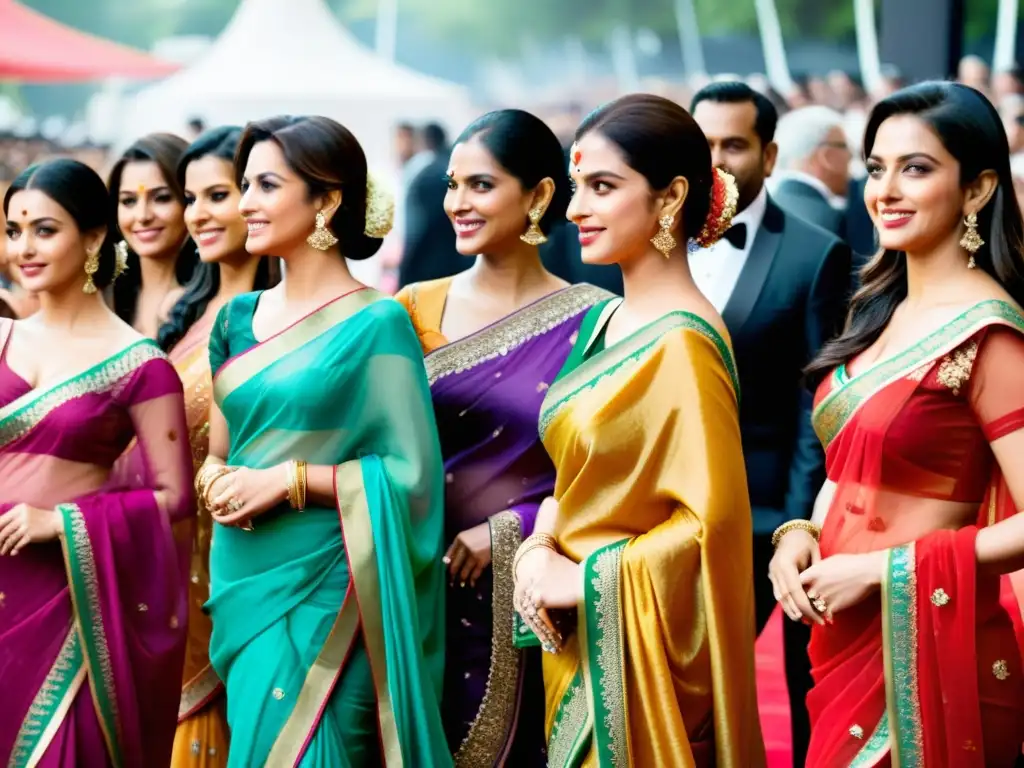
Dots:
pixel 772 698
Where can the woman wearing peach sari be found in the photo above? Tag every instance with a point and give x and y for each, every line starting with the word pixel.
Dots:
pixel 921 415
pixel 226 269
pixel 637 579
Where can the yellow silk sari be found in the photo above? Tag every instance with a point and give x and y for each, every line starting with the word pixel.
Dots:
pixel 653 503
pixel 201 740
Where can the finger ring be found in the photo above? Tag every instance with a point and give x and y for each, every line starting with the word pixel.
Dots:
pixel 820 605
pixel 446 560
pixel 234 505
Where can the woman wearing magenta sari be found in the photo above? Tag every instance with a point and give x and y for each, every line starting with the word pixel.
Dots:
pixel 495 336
pixel 921 413
pixel 324 479
pixel 93 607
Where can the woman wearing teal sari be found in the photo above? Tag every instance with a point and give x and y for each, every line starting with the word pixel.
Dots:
pixel 325 478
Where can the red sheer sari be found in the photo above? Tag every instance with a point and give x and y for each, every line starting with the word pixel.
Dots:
pixel 929 673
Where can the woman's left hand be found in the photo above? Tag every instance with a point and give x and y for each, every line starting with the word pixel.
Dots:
pixel 24 524
pixel 245 493
pixel 841 581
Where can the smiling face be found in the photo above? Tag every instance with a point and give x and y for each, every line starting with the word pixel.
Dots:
pixel 150 217
pixel 44 246
pixel 275 203
pixel 913 190
pixel 611 204
pixel 488 207
pixel 211 209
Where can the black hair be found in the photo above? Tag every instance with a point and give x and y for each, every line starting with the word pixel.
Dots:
pixel 528 149
pixel 164 149
pixel 434 137
pixel 741 93
pixel 326 156
pixel 202 288
pixel 970 129
pixel 80 191
pixel 659 140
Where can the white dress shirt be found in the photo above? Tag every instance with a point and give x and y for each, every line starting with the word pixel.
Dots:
pixel 716 270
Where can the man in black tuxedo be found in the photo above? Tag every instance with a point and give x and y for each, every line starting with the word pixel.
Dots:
pixel 781 285
pixel 813 167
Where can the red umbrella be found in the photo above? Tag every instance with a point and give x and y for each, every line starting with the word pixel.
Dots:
pixel 35 48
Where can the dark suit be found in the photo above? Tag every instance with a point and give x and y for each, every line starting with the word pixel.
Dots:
pixel 801 199
pixel 860 230
pixel 428 242
pixel 790 298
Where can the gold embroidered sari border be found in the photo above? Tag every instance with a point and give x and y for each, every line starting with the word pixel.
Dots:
pixel 502 337
pixel 22 415
pixel 838 406
pixel 489 733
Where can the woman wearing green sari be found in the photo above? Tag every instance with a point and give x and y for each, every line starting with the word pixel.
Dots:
pixel 325 478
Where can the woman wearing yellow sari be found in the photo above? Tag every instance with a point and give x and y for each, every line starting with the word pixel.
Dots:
pixel 206 173
pixel 637 579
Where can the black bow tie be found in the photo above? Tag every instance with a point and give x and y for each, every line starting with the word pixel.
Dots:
pixel 737 236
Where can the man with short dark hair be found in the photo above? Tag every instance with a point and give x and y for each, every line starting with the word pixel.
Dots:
pixel 781 285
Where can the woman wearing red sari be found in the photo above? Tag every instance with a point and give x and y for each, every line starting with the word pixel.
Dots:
pixel 921 413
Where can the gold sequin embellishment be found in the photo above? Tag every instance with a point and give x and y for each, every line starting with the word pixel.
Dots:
pixel 940 598
pixel 1001 669
pixel 955 370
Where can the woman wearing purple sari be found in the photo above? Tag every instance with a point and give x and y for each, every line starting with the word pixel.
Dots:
pixel 92 582
pixel 495 336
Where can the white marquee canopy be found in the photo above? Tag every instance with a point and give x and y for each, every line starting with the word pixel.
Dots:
pixel 294 57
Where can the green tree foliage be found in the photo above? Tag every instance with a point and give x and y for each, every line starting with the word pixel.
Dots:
pixel 493 27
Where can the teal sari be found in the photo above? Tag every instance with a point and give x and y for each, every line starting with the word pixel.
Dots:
pixel 328 623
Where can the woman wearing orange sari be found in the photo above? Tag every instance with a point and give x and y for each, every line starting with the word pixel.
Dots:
pixel 207 176
pixel 921 413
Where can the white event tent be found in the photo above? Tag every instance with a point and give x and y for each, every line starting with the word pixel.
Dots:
pixel 294 57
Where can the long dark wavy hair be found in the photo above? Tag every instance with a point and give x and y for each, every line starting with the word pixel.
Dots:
pixel 970 129
pixel 202 288
pixel 164 149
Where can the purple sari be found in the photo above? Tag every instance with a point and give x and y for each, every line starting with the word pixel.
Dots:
pixel 92 626
pixel 487 390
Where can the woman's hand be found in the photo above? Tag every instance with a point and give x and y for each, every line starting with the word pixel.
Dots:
pixel 841 581
pixel 469 555
pixel 244 493
pixel 797 551
pixel 28 525
pixel 546 580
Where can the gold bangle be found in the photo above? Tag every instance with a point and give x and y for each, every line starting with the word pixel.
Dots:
pixel 795 525
pixel 534 541
pixel 208 474
pixel 297 485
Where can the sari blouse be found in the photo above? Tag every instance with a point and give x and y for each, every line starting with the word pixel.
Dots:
pixel 907 443
pixel 93 629
pixel 653 504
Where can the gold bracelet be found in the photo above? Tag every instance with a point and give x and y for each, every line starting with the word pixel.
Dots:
pixel 297 484
pixel 208 474
pixel 534 541
pixel 795 525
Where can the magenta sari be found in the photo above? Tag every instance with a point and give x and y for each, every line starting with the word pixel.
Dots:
pixel 92 626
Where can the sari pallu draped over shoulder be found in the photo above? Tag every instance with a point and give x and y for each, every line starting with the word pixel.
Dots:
pixel 342 662
pixel 928 673
pixel 652 498
pixel 487 390
pixel 92 627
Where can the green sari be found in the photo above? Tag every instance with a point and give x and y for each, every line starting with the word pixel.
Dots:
pixel 328 623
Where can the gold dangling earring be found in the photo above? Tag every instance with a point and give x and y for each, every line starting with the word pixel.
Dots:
pixel 92 265
pixel 322 238
pixel 534 236
pixel 120 258
pixel 971 241
pixel 664 241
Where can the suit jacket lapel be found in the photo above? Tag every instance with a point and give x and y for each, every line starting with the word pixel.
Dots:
pixel 755 271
